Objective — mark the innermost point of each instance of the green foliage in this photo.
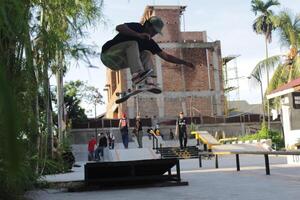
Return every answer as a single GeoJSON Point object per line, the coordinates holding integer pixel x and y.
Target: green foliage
{"type": "Point", "coordinates": [264, 23]}
{"type": "Point", "coordinates": [55, 166]}
{"type": "Point", "coordinates": [75, 112]}
{"type": "Point", "coordinates": [35, 36]}
{"type": "Point", "coordinates": [193, 127]}
{"type": "Point", "coordinates": [264, 133]}
{"type": "Point", "coordinates": [75, 92]}
{"type": "Point", "coordinates": [286, 67]}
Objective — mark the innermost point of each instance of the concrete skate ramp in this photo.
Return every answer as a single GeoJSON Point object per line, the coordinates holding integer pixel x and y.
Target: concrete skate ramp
{"type": "Point", "coordinates": [205, 138]}
{"type": "Point", "coordinates": [238, 147]}
{"type": "Point", "coordinates": [133, 154]}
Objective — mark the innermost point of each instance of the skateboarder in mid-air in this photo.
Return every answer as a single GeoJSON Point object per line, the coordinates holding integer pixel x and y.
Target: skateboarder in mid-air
{"type": "Point", "coordinates": [133, 48]}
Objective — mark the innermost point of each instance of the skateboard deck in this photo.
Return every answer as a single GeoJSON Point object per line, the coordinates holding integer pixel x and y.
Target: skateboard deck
{"type": "Point", "coordinates": [127, 95]}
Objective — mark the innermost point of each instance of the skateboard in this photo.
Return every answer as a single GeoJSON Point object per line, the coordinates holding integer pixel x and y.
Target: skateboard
{"type": "Point", "coordinates": [123, 96]}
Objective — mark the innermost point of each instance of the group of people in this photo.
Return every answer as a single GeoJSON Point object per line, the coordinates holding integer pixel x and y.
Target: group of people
{"type": "Point", "coordinates": [96, 152]}
{"type": "Point", "coordinates": [138, 130]}
{"type": "Point", "coordinates": [181, 131]}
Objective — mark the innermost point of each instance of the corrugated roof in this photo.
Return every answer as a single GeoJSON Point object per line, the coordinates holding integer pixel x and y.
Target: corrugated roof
{"type": "Point", "coordinates": [285, 89]}
{"type": "Point", "coordinates": [289, 85]}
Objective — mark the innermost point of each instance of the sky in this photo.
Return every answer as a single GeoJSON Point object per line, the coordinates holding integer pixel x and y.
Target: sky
{"type": "Point", "coordinates": [229, 21]}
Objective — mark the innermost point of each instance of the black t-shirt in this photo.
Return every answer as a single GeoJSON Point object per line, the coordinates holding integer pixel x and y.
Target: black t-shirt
{"type": "Point", "coordinates": [138, 125]}
{"type": "Point", "coordinates": [144, 44]}
{"type": "Point", "coordinates": [181, 125]}
{"type": "Point", "coordinates": [103, 142]}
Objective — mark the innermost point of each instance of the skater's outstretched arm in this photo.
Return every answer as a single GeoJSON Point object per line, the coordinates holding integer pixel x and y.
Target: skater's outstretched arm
{"type": "Point", "coordinates": [125, 30]}
{"type": "Point", "coordinates": [173, 59]}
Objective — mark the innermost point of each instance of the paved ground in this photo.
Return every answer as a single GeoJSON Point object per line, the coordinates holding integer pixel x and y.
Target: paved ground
{"type": "Point", "coordinates": [206, 183]}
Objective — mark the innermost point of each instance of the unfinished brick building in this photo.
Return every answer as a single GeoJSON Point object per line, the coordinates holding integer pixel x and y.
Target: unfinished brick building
{"type": "Point", "coordinates": [195, 92]}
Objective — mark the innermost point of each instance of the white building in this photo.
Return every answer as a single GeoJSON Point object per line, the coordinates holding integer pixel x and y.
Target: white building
{"type": "Point", "coordinates": [290, 111]}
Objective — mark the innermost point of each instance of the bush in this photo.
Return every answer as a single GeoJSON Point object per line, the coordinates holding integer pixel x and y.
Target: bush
{"type": "Point", "coordinates": [63, 160]}
{"type": "Point", "coordinates": [264, 133]}
{"type": "Point", "coordinates": [13, 183]}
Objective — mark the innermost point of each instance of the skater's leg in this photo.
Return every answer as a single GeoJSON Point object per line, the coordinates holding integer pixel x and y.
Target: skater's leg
{"type": "Point", "coordinates": [147, 59]}
{"type": "Point", "coordinates": [123, 138]}
{"type": "Point", "coordinates": [126, 140]}
{"type": "Point", "coordinates": [133, 57]}
{"type": "Point", "coordinates": [123, 55]}
{"type": "Point", "coordinates": [113, 144]}
{"type": "Point", "coordinates": [139, 139]}
{"type": "Point", "coordinates": [97, 157]}
{"type": "Point", "coordinates": [148, 63]}
{"type": "Point", "coordinates": [185, 141]}
{"type": "Point", "coordinates": [181, 140]}
{"type": "Point", "coordinates": [102, 151]}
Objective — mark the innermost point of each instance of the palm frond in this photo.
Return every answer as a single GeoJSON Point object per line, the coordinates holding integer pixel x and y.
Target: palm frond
{"type": "Point", "coordinates": [270, 3]}
{"type": "Point", "coordinates": [265, 24]}
{"type": "Point", "coordinates": [288, 28]}
{"type": "Point", "coordinates": [271, 63]}
{"type": "Point", "coordinates": [296, 68]}
{"type": "Point", "coordinates": [279, 76]}
{"type": "Point", "coordinates": [257, 6]}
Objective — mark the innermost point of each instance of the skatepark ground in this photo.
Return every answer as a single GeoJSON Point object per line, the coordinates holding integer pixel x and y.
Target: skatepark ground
{"type": "Point", "coordinates": [206, 183]}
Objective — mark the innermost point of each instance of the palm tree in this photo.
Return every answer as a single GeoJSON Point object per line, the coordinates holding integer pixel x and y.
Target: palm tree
{"type": "Point", "coordinates": [287, 67]}
{"type": "Point", "coordinates": [264, 24]}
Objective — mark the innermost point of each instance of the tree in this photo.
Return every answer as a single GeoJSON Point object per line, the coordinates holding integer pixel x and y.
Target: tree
{"type": "Point", "coordinates": [77, 92]}
{"type": "Point", "coordinates": [287, 67]}
{"type": "Point", "coordinates": [264, 24]}
{"type": "Point", "coordinates": [36, 37]}
{"type": "Point", "coordinates": [72, 99]}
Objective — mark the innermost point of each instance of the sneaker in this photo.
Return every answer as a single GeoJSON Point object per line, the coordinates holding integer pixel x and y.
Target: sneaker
{"type": "Point", "coordinates": [140, 76]}
{"type": "Point", "coordinates": [153, 88]}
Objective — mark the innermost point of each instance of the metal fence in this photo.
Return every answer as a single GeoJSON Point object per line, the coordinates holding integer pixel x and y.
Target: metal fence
{"type": "Point", "coordinates": [113, 123]}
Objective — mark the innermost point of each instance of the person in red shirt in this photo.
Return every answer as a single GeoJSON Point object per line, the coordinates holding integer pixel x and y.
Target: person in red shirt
{"type": "Point", "coordinates": [91, 148]}
{"type": "Point", "coordinates": [123, 125]}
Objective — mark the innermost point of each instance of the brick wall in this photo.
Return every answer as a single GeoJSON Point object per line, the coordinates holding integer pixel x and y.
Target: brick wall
{"type": "Point", "coordinates": [176, 79]}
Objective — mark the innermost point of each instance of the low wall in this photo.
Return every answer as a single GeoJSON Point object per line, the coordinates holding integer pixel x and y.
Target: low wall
{"type": "Point", "coordinates": [82, 136]}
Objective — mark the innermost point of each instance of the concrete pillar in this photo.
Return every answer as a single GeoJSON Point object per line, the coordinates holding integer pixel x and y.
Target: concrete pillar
{"type": "Point", "coordinates": [130, 101]}
{"type": "Point", "coordinates": [160, 98]}
{"type": "Point", "coordinates": [216, 67]}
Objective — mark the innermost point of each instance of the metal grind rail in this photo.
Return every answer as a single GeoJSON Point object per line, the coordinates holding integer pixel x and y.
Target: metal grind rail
{"type": "Point", "coordinates": [238, 153]}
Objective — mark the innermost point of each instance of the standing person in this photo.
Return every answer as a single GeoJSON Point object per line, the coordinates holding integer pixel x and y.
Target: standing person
{"type": "Point", "coordinates": [133, 47]}
{"type": "Point", "coordinates": [91, 148]}
{"type": "Point", "coordinates": [139, 131]}
{"type": "Point", "coordinates": [111, 140]}
{"type": "Point", "coordinates": [123, 125]}
{"type": "Point", "coordinates": [101, 145]}
{"type": "Point", "coordinates": [181, 130]}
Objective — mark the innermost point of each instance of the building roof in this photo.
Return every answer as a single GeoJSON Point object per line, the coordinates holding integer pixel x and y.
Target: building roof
{"type": "Point", "coordinates": [290, 87]}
